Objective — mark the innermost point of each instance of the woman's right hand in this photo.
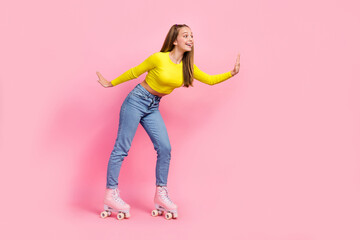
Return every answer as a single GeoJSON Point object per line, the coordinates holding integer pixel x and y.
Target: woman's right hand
{"type": "Point", "coordinates": [103, 81]}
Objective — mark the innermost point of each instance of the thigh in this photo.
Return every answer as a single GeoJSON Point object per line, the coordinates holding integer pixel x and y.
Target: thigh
{"type": "Point", "coordinates": [154, 125]}
{"type": "Point", "coordinates": [130, 116]}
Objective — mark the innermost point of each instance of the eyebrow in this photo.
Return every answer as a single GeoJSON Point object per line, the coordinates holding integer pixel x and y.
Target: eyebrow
{"type": "Point", "coordinates": [186, 32]}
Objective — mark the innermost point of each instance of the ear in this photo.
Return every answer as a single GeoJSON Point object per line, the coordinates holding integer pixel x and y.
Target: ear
{"type": "Point", "coordinates": [175, 42]}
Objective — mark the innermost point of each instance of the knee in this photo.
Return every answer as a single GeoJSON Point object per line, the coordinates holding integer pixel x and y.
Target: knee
{"type": "Point", "coordinates": [164, 148]}
{"type": "Point", "coordinates": [122, 146]}
{"type": "Point", "coordinates": [119, 152]}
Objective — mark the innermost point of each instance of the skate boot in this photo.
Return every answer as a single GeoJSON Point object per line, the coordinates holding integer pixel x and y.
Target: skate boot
{"type": "Point", "coordinates": [113, 203]}
{"type": "Point", "coordinates": [164, 204]}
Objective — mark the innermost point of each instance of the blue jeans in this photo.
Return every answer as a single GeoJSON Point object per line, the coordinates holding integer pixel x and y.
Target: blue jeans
{"type": "Point", "coordinates": [140, 106]}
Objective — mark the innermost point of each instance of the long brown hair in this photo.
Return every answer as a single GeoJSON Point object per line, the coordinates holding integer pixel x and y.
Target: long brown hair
{"type": "Point", "coordinates": [188, 57]}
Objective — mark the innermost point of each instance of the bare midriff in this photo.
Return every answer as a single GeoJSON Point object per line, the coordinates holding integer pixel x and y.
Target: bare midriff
{"type": "Point", "coordinates": [152, 91]}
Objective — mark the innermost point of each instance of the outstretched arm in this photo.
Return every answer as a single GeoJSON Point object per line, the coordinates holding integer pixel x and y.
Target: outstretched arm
{"type": "Point", "coordinates": [210, 79]}
{"type": "Point", "coordinates": [215, 79]}
{"type": "Point", "coordinates": [132, 73]}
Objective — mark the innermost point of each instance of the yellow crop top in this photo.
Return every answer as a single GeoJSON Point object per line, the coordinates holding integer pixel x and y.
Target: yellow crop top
{"type": "Point", "coordinates": [164, 75]}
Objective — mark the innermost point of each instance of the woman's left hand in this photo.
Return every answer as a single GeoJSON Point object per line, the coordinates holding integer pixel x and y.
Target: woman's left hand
{"type": "Point", "coordinates": [237, 66]}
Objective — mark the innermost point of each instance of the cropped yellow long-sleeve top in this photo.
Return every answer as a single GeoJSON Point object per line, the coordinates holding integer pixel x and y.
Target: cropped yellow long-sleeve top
{"type": "Point", "coordinates": [164, 75]}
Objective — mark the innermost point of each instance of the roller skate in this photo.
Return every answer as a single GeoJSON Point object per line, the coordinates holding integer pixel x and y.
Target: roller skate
{"type": "Point", "coordinates": [164, 204]}
{"type": "Point", "coordinates": [113, 203]}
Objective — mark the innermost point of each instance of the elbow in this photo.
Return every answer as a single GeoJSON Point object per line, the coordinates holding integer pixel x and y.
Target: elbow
{"type": "Point", "coordinates": [210, 82]}
{"type": "Point", "coordinates": [134, 75]}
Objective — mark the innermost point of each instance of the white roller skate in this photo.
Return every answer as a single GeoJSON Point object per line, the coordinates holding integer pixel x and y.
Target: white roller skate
{"type": "Point", "coordinates": [113, 203]}
{"type": "Point", "coordinates": [164, 204]}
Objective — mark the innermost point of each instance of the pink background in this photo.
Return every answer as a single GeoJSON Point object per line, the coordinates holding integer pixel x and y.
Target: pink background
{"type": "Point", "coordinates": [272, 153]}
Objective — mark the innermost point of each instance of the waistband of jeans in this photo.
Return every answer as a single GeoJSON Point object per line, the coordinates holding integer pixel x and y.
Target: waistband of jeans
{"type": "Point", "coordinates": [146, 92]}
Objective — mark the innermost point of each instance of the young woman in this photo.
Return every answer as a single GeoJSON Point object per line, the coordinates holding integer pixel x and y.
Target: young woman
{"type": "Point", "coordinates": [168, 69]}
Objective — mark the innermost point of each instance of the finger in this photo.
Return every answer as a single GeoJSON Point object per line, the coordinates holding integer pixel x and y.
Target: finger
{"type": "Point", "coordinates": [99, 74]}
{"type": "Point", "coordinates": [101, 77]}
{"type": "Point", "coordinates": [101, 82]}
{"type": "Point", "coordinates": [104, 82]}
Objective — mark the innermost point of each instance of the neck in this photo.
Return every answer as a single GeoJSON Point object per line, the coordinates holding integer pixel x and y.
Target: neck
{"type": "Point", "coordinates": [176, 55]}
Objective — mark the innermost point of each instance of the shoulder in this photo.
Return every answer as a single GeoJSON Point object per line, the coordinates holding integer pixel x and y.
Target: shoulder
{"type": "Point", "coordinates": [160, 55]}
{"type": "Point", "coordinates": [156, 56]}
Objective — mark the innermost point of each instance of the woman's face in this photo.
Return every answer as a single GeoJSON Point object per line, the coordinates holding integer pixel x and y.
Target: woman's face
{"type": "Point", "coordinates": [184, 40]}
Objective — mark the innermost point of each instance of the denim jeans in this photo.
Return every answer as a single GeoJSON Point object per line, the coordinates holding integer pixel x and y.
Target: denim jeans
{"type": "Point", "coordinates": [140, 106]}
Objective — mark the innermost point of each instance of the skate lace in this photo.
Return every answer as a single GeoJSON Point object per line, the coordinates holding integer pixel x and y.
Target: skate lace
{"type": "Point", "coordinates": [164, 195]}
{"type": "Point", "coordinates": [116, 196]}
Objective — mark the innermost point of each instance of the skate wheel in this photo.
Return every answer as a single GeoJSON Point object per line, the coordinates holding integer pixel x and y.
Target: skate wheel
{"type": "Point", "coordinates": [168, 215]}
{"type": "Point", "coordinates": [104, 214]}
{"type": "Point", "coordinates": [120, 215]}
{"type": "Point", "coordinates": [154, 213]}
